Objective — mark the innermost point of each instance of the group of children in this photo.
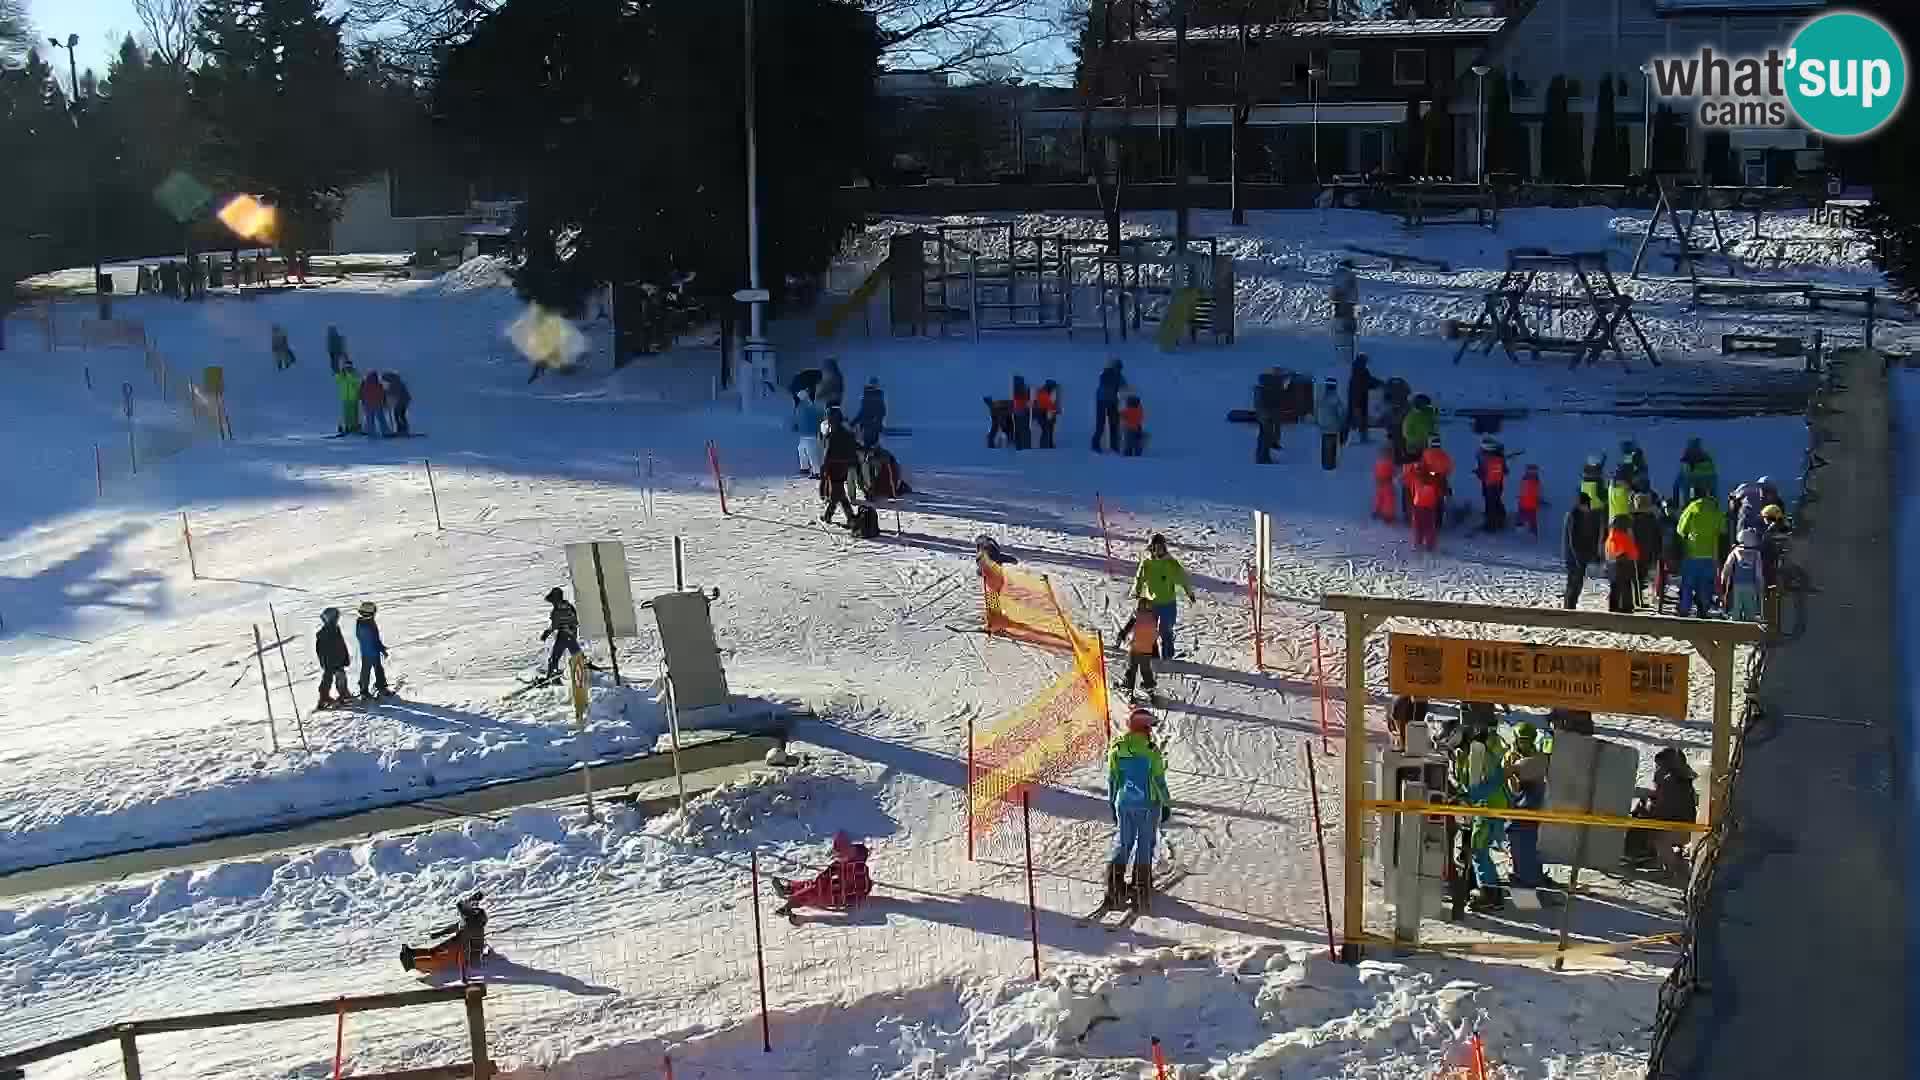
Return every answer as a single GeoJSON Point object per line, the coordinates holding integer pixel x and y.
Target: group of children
{"type": "Point", "coordinates": [331, 647]}
{"type": "Point", "coordinates": [1118, 416]}
{"type": "Point", "coordinates": [373, 404]}
{"type": "Point", "coordinates": [1014, 418]}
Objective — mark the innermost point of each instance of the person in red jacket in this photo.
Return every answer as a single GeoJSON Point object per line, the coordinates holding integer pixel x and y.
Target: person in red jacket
{"type": "Point", "coordinates": [1384, 505]}
{"type": "Point", "coordinates": [1133, 426]}
{"type": "Point", "coordinates": [1530, 499]}
{"type": "Point", "coordinates": [1022, 414]}
{"type": "Point", "coordinates": [844, 883]}
{"type": "Point", "coordinates": [1623, 565]}
{"type": "Point", "coordinates": [1046, 411]}
{"type": "Point", "coordinates": [1437, 461]}
{"type": "Point", "coordinates": [1409, 480]}
{"type": "Point", "coordinates": [1428, 494]}
{"type": "Point", "coordinates": [373, 399]}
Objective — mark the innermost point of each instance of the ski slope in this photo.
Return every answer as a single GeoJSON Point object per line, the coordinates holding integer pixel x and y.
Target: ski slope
{"type": "Point", "coordinates": [136, 718]}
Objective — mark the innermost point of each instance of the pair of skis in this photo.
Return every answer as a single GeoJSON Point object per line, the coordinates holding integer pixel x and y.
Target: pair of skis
{"type": "Point", "coordinates": [1102, 915]}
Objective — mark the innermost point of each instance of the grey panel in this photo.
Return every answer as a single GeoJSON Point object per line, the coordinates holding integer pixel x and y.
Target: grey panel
{"type": "Point", "coordinates": [1588, 775]}
{"type": "Point", "coordinates": [693, 658]}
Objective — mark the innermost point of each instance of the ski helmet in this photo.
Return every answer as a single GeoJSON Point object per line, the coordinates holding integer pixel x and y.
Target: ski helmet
{"type": "Point", "coordinates": [1159, 540]}
{"type": "Point", "coordinates": [1489, 443]}
{"type": "Point", "coordinates": [1433, 441]}
{"type": "Point", "coordinates": [555, 595]}
{"type": "Point", "coordinates": [367, 609]}
{"type": "Point", "coordinates": [1593, 461]}
{"type": "Point", "coordinates": [1140, 720]}
{"type": "Point", "coordinates": [330, 615]}
{"type": "Point", "coordinates": [1772, 512]}
{"type": "Point", "coordinates": [1765, 481]}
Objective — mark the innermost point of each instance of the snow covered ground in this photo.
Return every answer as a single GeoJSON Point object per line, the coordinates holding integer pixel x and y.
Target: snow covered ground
{"type": "Point", "coordinates": [135, 713]}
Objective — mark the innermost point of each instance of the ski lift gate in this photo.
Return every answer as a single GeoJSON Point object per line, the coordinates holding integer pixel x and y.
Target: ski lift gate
{"type": "Point", "coordinates": [1713, 639]}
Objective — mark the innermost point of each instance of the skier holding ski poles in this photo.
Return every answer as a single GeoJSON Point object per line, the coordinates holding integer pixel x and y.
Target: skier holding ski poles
{"type": "Point", "coordinates": [563, 626]}
{"type": "Point", "coordinates": [1137, 793]}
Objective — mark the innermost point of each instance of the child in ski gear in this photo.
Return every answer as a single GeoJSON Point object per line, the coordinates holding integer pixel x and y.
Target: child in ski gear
{"type": "Point", "coordinates": [563, 626]}
{"type": "Point", "coordinates": [1106, 404]}
{"type": "Point", "coordinates": [1579, 546]}
{"type": "Point", "coordinates": [336, 349]}
{"type": "Point", "coordinates": [399, 399]}
{"type": "Point", "coordinates": [373, 398]}
{"type": "Point", "coordinates": [1701, 527]}
{"type": "Point", "coordinates": [1141, 632]}
{"type": "Point", "coordinates": [1421, 422]}
{"type": "Point", "coordinates": [1159, 580]}
{"type": "Point", "coordinates": [1529, 502]}
{"type": "Point", "coordinates": [1427, 498]}
{"type": "Point", "coordinates": [840, 453]}
{"type": "Point", "coordinates": [283, 352]}
{"type": "Point", "coordinates": [1526, 769]}
{"type": "Point", "coordinates": [1021, 408]}
{"type": "Point", "coordinates": [1634, 461]}
{"type": "Point", "coordinates": [372, 651]}
{"type": "Point", "coordinates": [1046, 411]}
{"type": "Point", "coordinates": [461, 946]}
{"type": "Point", "coordinates": [1620, 492]}
{"type": "Point", "coordinates": [1331, 414]}
{"type": "Point", "coordinates": [1491, 468]}
{"type": "Point", "coordinates": [999, 421]}
{"type": "Point", "coordinates": [1360, 383]}
{"type": "Point", "coordinates": [1743, 578]}
{"type": "Point", "coordinates": [1137, 793]}
{"type": "Point", "coordinates": [1696, 473]}
{"type": "Point", "coordinates": [1623, 565]}
{"type": "Point", "coordinates": [1384, 506]}
{"type": "Point", "coordinates": [330, 648]}
{"type": "Point", "coordinates": [808, 416]}
{"type": "Point", "coordinates": [871, 420]}
{"type": "Point", "coordinates": [1478, 776]}
{"type": "Point", "coordinates": [1674, 799]}
{"type": "Point", "coordinates": [1269, 409]}
{"type": "Point", "coordinates": [986, 547]}
{"type": "Point", "coordinates": [842, 885]}
{"type": "Point", "coordinates": [346, 383]}
{"type": "Point", "coordinates": [1648, 535]}
{"type": "Point", "coordinates": [1133, 424]}
{"type": "Point", "coordinates": [1593, 480]}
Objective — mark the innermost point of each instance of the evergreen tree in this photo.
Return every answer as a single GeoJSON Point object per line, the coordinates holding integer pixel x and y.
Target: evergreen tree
{"type": "Point", "coordinates": [1561, 153]}
{"type": "Point", "coordinates": [1669, 141]}
{"type": "Point", "coordinates": [1413, 142]}
{"type": "Point", "coordinates": [1440, 136]}
{"type": "Point", "coordinates": [274, 93]}
{"type": "Point", "coordinates": [1609, 167]}
{"type": "Point", "coordinates": [1506, 148]}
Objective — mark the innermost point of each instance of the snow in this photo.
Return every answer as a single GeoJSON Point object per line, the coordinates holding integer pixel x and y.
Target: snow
{"type": "Point", "coordinates": [479, 272]}
{"type": "Point", "coordinates": [137, 715]}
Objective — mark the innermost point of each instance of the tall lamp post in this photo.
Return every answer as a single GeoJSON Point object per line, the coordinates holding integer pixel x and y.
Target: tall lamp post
{"type": "Point", "coordinates": [1314, 75]}
{"type": "Point", "coordinates": [1646, 111]}
{"type": "Point", "coordinates": [1159, 125]}
{"type": "Point", "coordinates": [1480, 122]}
{"type": "Point", "coordinates": [93, 209]}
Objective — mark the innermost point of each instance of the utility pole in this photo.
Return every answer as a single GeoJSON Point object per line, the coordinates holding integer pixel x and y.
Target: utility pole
{"type": "Point", "coordinates": [758, 368]}
{"type": "Point", "coordinates": [105, 304]}
{"type": "Point", "coordinates": [1179, 132]}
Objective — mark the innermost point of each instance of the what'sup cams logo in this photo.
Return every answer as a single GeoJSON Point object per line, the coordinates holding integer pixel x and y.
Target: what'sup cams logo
{"type": "Point", "coordinates": [1843, 76]}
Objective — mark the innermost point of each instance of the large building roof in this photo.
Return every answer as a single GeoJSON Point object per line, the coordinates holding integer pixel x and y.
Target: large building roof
{"type": "Point", "coordinates": [1353, 28]}
{"type": "Point", "coordinates": [1735, 7]}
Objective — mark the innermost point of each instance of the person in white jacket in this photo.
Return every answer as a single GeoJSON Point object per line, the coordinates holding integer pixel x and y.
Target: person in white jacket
{"type": "Point", "coordinates": [1743, 578]}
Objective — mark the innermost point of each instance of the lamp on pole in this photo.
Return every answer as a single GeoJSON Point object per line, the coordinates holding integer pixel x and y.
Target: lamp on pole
{"type": "Point", "coordinates": [757, 370]}
{"type": "Point", "coordinates": [1159, 125]}
{"type": "Point", "coordinates": [1646, 110]}
{"type": "Point", "coordinates": [73, 105]}
{"type": "Point", "coordinates": [1480, 121]}
{"type": "Point", "coordinates": [1314, 74]}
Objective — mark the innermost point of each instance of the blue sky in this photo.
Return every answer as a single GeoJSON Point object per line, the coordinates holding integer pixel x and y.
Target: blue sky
{"type": "Point", "coordinates": [100, 23]}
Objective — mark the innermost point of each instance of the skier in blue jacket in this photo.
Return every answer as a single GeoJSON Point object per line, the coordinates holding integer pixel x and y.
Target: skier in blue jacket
{"type": "Point", "coordinates": [372, 649]}
{"type": "Point", "coordinates": [1137, 791]}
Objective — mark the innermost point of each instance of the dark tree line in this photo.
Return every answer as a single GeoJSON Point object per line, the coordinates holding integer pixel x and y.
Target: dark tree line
{"type": "Point", "coordinates": [626, 120]}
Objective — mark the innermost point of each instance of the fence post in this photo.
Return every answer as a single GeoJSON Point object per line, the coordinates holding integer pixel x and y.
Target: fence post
{"type": "Point", "coordinates": [477, 1031]}
{"type": "Point", "coordinates": [280, 643]}
{"type": "Point", "coordinates": [186, 532]}
{"type": "Point", "coordinates": [1033, 909]}
{"type": "Point", "coordinates": [1320, 844]}
{"type": "Point", "coordinates": [129, 1053]}
{"type": "Point", "coordinates": [99, 472]}
{"type": "Point", "coordinates": [339, 1038]}
{"type": "Point", "coordinates": [1100, 508]}
{"type": "Point", "coordinates": [667, 1061]}
{"type": "Point", "coordinates": [1320, 693]}
{"type": "Point", "coordinates": [760, 958]}
{"type": "Point", "coordinates": [1253, 602]}
{"type": "Point", "coordinates": [260, 653]}
{"type": "Point", "coordinates": [435, 492]}
{"type": "Point", "coordinates": [969, 788]}
{"type": "Point", "coordinates": [720, 485]}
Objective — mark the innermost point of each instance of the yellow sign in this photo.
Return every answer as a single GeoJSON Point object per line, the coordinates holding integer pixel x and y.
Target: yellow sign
{"type": "Point", "coordinates": [577, 683]}
{"type": "Point", "coordinates": [214, 380]}
{"type": "Point", "coordinates": [1550, 676]}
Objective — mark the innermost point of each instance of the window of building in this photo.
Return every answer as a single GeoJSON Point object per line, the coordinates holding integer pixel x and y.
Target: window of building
{"type": "Point", "coordinates": [1409, 67]}
{"type": "Point", "coordinates": [1343, 67]}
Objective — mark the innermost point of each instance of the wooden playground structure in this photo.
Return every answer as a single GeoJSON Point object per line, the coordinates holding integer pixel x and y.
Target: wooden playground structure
{"type": "Point", "coordinates": [1528, 310]}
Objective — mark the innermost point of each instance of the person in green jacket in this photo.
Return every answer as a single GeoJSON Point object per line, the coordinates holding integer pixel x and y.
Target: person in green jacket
{"type": "Point", "coordinates": [1158, 581]}
{"type": "Point", "coordinates": [1701, 526]}
{"type": "Point", "coordinates": [1420, 424]}
{"type": "Point", "coordinates": [1620, 492]}
{"type": "Point", "coordinates": [1137, 793]}
{"type": "Point", "coordinates": [347, 382]}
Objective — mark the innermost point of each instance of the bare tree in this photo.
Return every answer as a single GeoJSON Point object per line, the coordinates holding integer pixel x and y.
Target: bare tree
{"type": "Point", "coordinates": [169, 27]}
{"type": "Point", "coordinates": [964, 36]}
{"type": "Point", "coordinates": [412, 35]}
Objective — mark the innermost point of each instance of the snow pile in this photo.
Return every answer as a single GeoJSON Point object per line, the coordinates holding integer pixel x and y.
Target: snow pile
{"type": "Point", "coordinates": [1246, 1012]}
{"type": "Point", "coordinates": [478, 273]}
{"type": "Point", "coordinates": [801, 804]}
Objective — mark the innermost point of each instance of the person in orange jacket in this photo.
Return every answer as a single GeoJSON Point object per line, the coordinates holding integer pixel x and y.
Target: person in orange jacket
{"type": "Point", "coordinates": [1133, 426]}
{"type": "Point", "coordinates": [1530, 500]}
{"type": "Point", "coordinates": [1491, 468]}
{"type": "Point", "coordinates": [1437, 461]}
{"type": "Point", "coordinates": [1623, 565]}
{"type": "Point", "coordinates": [1046, 411]}
{"type": "Point", "coordinates": [1428, 495]}
{"type": "Point", "coordinates": [1409, 480]}
{"type": "Point", "coordinates": [1385, 506]}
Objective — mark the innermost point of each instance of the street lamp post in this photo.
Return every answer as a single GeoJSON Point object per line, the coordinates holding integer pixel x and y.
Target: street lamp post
{"type": "Point", "coordinates": [1480, 121]}
{"type": "Point", "coordinates": [1314, 75]}
{"type": "Point", "coordinates": [105, 303]}
{"type": "Point", "coordinates": [1159, 125]}
{"type": "Point", "coordinates": [1646, 108]}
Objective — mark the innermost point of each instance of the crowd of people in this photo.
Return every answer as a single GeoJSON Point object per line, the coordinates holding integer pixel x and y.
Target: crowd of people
{"type": "Point", "coordinates": [189, 279]}
{"type": "Point", "coordinates": [845, 454]}
{"type": "Point", "coordinates": [330, 647]}
{"type": "Point", "coordinates": [373, 403]}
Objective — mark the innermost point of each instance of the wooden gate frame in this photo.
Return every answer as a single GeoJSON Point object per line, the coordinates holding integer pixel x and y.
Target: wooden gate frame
{"type": "Point", "coordinates": [1713, 639]}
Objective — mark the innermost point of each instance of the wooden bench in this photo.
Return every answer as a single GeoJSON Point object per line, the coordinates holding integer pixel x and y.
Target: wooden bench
{"type": "Point", "coordinates": [1769, 343]}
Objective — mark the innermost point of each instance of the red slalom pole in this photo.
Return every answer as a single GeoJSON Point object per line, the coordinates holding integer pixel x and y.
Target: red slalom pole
{"type": "Point", "coordinates": [1033, 909]}
{"type": "Point", "coordinates": [667, 1061]}
{"type": "Point", "coordinates": [340, 1038]}
{"type": "Point", "coordinates": [1100, 508]}
{"type": "Point", "coordinates": [1320, 842]}
{"type": "Point", "coordinates": [1253, 604]}
{"type": "Point", "coordinates": [1320, 693]}
{"type": "Point", "coordinates": [970, 766]}
{"type": "Point", "coordinates": [1159, 1060]}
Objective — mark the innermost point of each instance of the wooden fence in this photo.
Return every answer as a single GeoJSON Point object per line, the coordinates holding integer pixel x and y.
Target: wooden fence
{"type": "Point", "coordinates": [127, 1034]}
